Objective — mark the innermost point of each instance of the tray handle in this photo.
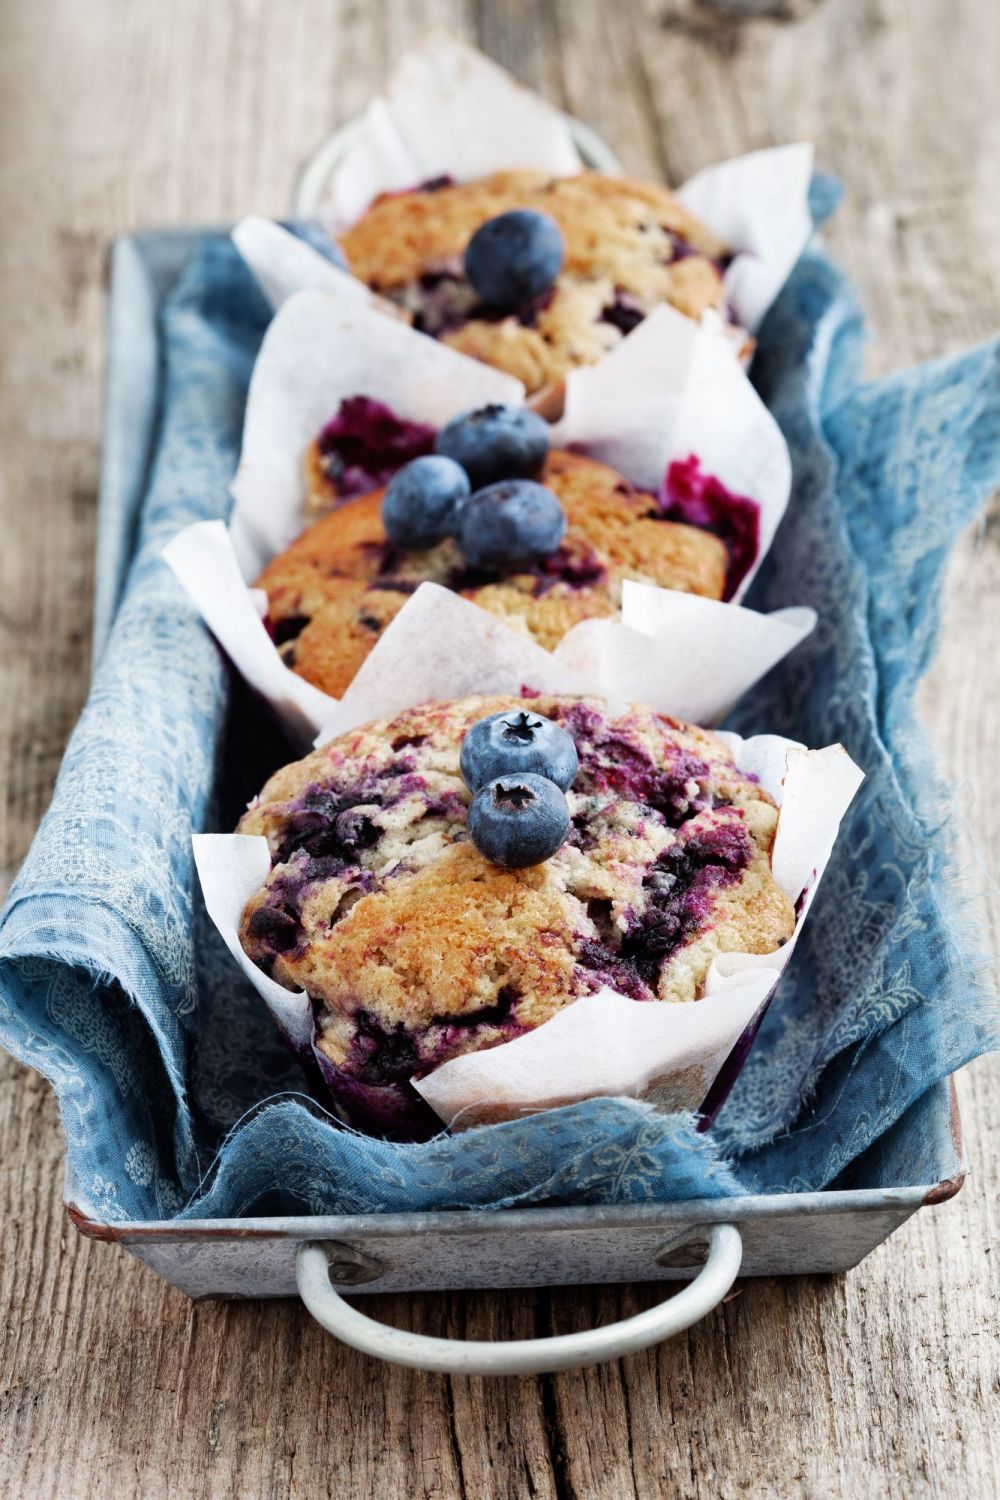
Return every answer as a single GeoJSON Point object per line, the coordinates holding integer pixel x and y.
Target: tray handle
{"type": "Point", "coordinates": [519, 1356]}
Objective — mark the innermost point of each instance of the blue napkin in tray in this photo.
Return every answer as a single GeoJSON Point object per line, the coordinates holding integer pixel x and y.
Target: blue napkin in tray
{"type": "Point", "coordinates": [177, 1096]}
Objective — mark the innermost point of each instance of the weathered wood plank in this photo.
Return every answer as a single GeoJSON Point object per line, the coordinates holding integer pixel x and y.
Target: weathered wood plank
{"type": "Point", "coordinates": [110, 1383]}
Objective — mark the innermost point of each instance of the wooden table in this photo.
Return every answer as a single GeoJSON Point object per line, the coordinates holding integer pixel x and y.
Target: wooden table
{"type": "Point", "coordinates": [115, 115]}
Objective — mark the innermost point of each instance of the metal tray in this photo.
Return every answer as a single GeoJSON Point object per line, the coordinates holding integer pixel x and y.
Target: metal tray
{"type": "Point", "coordinates": [765, 1235]}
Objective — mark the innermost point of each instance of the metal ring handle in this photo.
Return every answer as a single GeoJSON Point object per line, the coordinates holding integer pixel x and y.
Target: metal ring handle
{"type": "Point", "coordinates": [565, 1351]}
{"type": "Point", "coordinates": [307, 197]}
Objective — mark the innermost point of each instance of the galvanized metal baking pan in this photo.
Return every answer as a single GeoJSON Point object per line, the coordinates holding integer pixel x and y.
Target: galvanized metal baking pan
{"type": "Point", "coordinates": [314, 1257]}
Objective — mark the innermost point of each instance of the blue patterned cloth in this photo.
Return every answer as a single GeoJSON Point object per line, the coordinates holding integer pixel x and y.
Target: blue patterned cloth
{"type": "Point", "coordinates": [176, 1094]}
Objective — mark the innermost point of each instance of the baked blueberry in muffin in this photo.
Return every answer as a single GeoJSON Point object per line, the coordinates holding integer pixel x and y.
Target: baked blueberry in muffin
{"type": "Point", "coordinates": [414, 947]}
{"type": "Point", "coordinates": [626, 247]}
{"type": "Point", "coordinates": [336, 588]}
{"type": "Point", "coordinates": [361, 447]}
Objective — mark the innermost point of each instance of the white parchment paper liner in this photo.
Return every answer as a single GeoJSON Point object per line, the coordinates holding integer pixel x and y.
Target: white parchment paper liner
{"type": "Point", "coordinates": [701, 655]}
{"type": "Point", "coordinates": [606, 1043]}
{"type": "Point", "coordinates": [447, 109]}
{"type": "Point", "coordinates": [693, 656]}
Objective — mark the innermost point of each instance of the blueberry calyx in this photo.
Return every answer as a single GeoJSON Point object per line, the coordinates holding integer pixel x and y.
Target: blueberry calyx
{"type": "Point", "coordinates": [423, 501]}
{"type": "Point", "coordinates": [516, 821]}
{"type": "Point", "coordinates": [514, 523]}
{"type": "Point", "coordinates": [514, 257]}
{"type": "Point", "coordinates": [512, 794]}
{"type": "Point", "coordinates": [517, 742]}
{"type": "Point", "coordinates": [496, 442]}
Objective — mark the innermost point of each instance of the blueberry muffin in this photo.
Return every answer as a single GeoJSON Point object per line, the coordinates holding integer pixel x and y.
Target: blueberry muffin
{"type": "Point", "coordinates": [628, 247]}
{"type": "Point", "coordinates": [414, 948]}
{"type": "Point", "coordinates": [334, 590]}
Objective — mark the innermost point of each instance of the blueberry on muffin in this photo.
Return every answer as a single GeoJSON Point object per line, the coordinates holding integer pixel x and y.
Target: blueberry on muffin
{"type": "Point", "coordinates": [336, 588]}
{"type": "Point", "coordinates": [415, 947]}
{"type": "Point", "coordinates": [534, 274]}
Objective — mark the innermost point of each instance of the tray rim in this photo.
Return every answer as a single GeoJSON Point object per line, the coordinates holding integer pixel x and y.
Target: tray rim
{"type": "Point", "coordinates": [452, 1222]}
{"type": "Point", "coordinates": [459, 1221]}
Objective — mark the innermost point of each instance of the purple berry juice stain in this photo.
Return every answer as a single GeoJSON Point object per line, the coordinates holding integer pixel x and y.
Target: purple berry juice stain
{"type": "Point", "coordinates": [698, 499]}
{"type": "Point", "coordinates": [365, 443]}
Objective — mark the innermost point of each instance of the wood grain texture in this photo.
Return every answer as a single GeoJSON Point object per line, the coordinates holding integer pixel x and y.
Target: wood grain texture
{"type": "Point", "coordinates": [115, 115]}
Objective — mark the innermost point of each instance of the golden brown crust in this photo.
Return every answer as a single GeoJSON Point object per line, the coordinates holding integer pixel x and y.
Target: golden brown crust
{"type": "Point", "coordinates": [621, 237]}
{"type": "Point", "coordinates": [599, 216]}
{"type": "Point", "coordinates": [339, 577]}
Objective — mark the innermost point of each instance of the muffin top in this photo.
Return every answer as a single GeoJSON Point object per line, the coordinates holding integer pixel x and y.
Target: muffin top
{"type": "Point", "coordinates": [414, 948]}
{"type": "Point", "coordinates": [629, 246]}
{"type": "Point", "coordinates": [331, 594]}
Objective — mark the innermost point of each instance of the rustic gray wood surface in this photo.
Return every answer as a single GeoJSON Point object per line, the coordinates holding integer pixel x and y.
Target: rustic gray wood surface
{"type": "Point", "coordinates": [116, 115]}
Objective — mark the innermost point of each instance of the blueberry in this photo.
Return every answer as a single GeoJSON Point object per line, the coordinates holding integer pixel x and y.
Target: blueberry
{"type": "Point", "coordinates": [510, 525]}
{"type": "Point", "coordinates": [518, 820]}
{"type": "Point", "coordinates": [517, 742]}
{"type": "Point", "coordinates": [514, 258]}
{"type": "Point", "coordinates": [423, 502]}
{"type": "Point", "coordinates": [496, 442]}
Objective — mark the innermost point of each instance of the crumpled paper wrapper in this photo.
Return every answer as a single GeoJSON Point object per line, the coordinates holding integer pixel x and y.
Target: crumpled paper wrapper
{"type": "Point", "coordinates": [447, 109]}
{"type": "Point", "coordinates": [667, 658]}
{"type": "Point", "coordinates": [700, 655]}
{"type": "Point", "coordinates": [605, 1043]}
